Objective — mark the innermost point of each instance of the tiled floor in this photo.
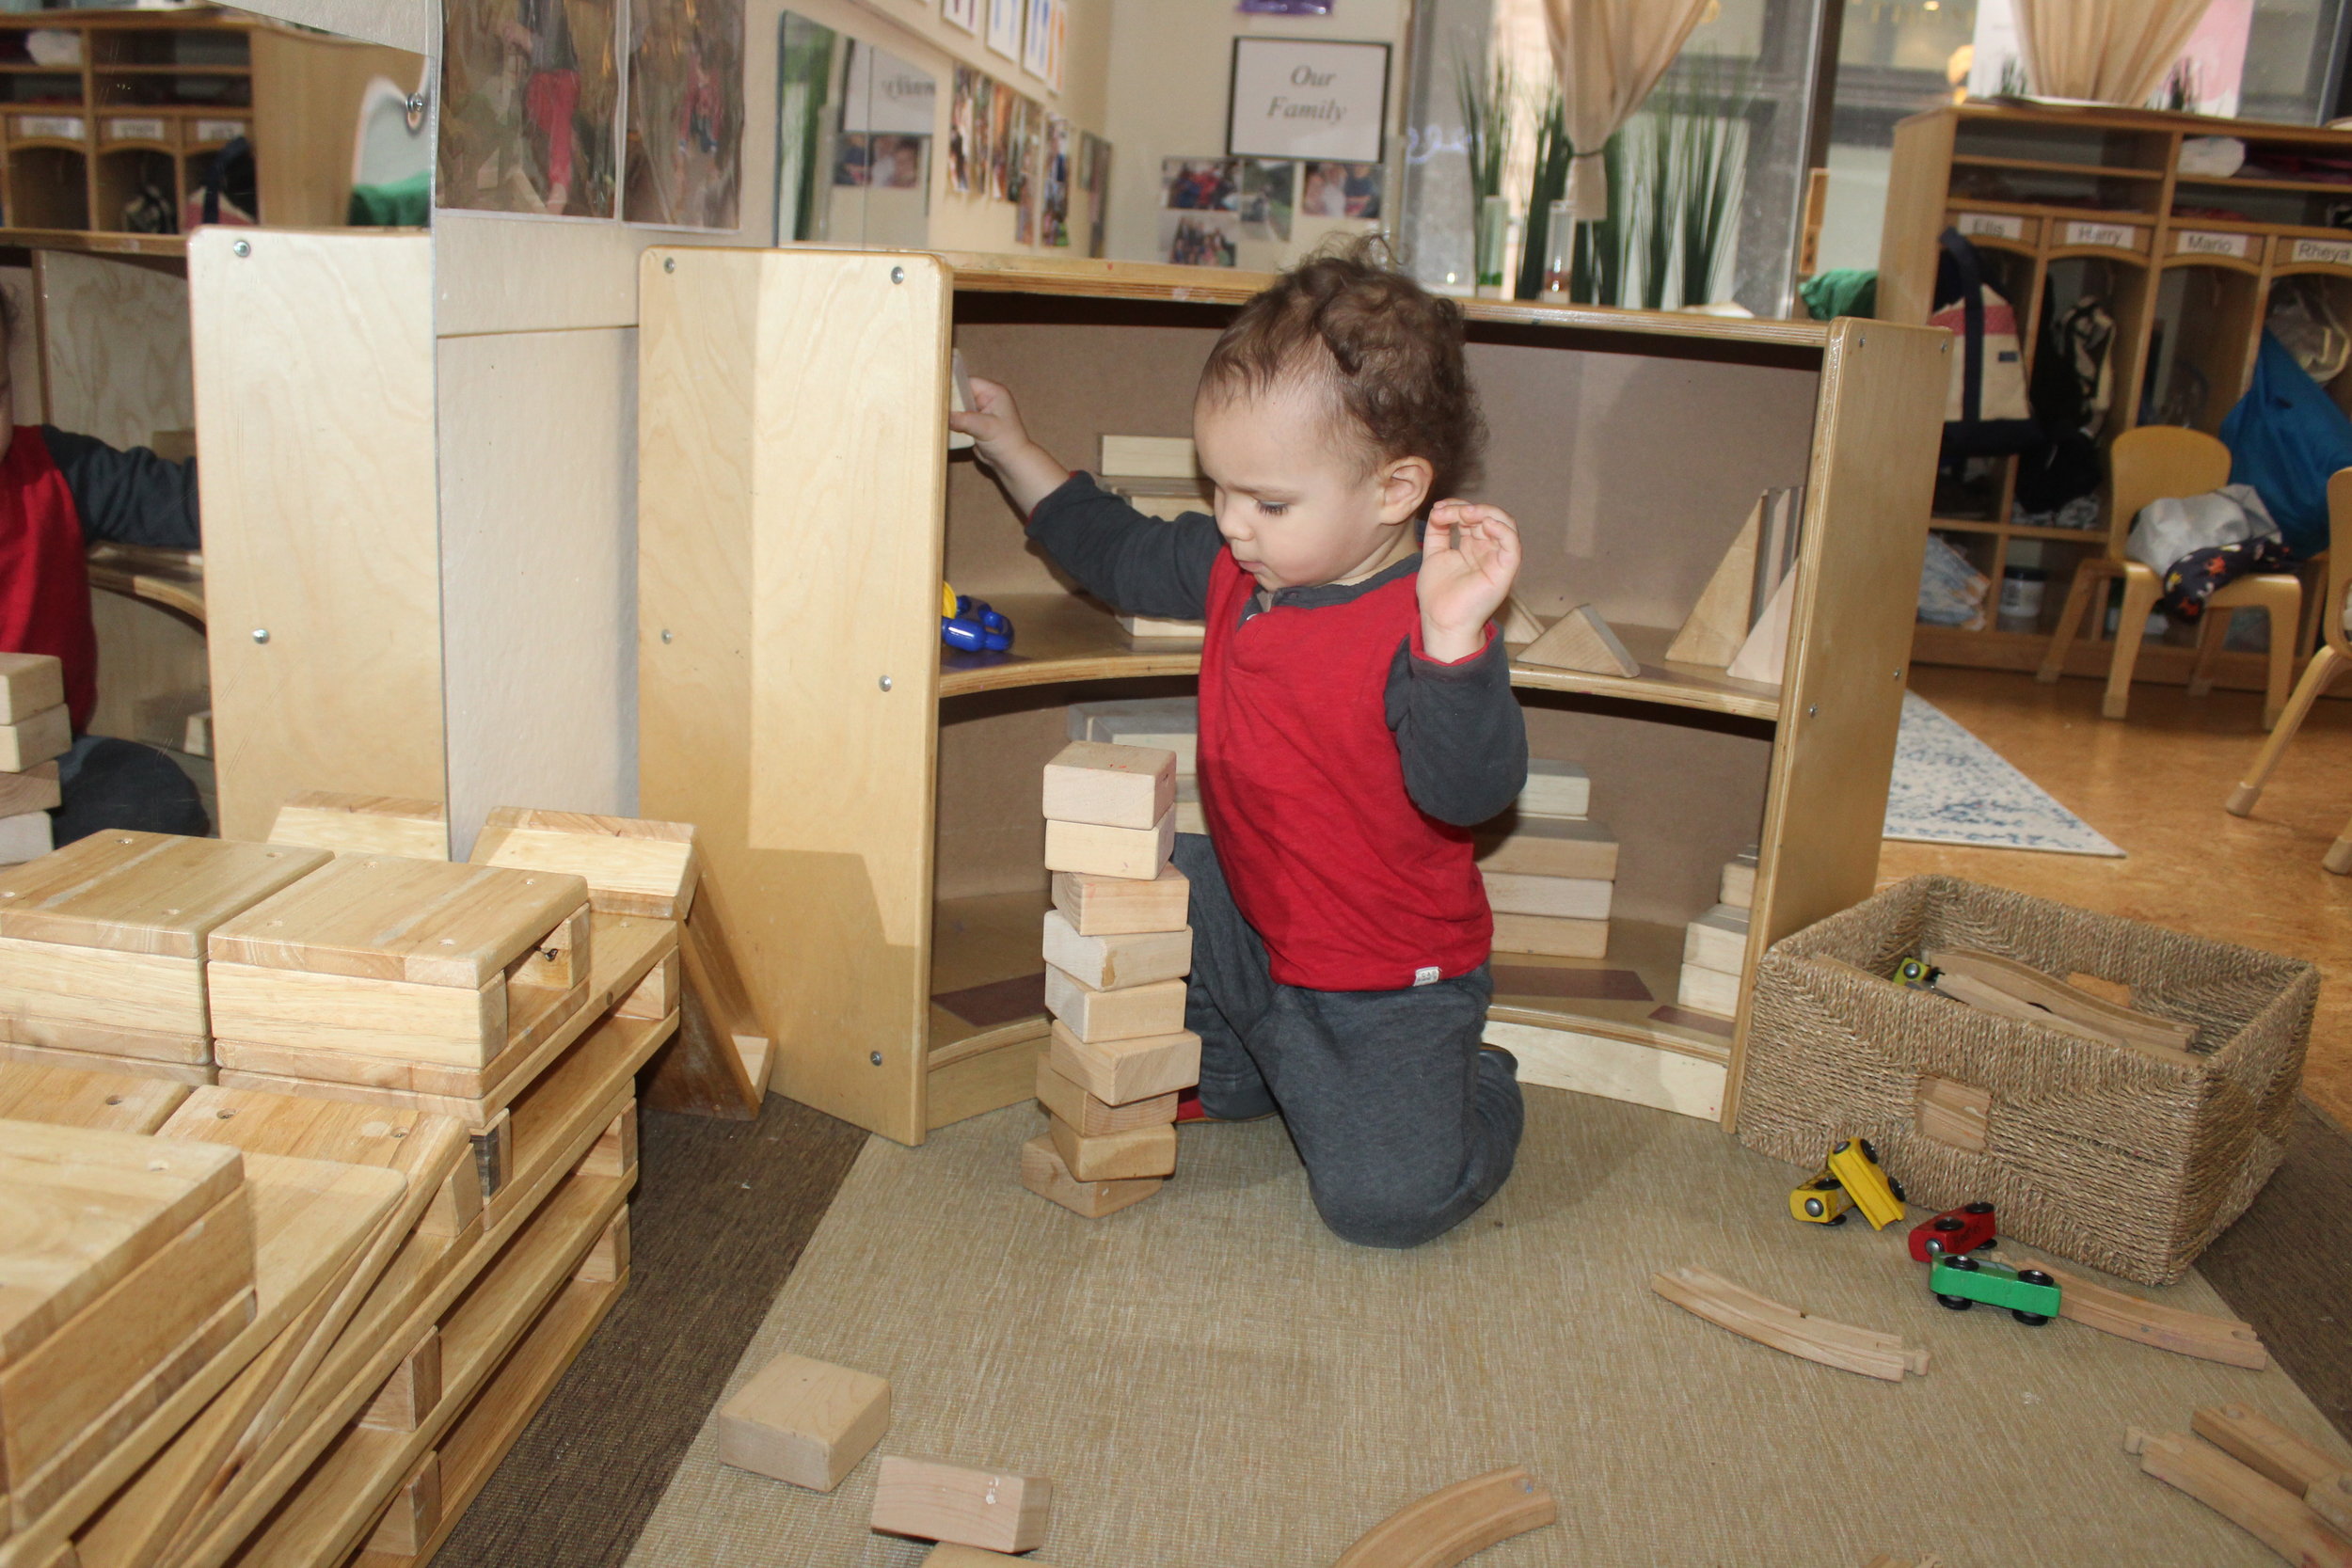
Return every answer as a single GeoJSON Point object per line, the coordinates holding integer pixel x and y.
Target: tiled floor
{"type": "Point", "coordinates": [2154, 783]}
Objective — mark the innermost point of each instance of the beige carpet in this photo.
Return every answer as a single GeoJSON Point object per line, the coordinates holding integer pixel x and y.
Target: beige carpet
{"type": "Point", "coordinates": [1210, 1379]}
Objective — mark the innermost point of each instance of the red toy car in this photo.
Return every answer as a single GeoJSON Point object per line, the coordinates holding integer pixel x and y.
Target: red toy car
{"type": "Point", "coordinates": [1952, 1232]}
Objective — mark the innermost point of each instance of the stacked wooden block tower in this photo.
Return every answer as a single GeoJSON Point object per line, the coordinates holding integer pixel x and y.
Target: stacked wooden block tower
{"type": "Point", "coordinates": [1118, 946]}
{"type": "Point", "coordinates": [1168, 724]}
{"type": "Point", "coordinates": [1551, 870]}
{"type": "Point", "coordinates": [35, 731]}
{"type": "Point", "coordinates": [1714, 944]}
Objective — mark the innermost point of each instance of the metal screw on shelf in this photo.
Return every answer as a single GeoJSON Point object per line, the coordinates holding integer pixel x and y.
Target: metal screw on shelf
{"type": "Point", "coordinates": [416, 110]}
{"type": "Point", "coordinates": [1814, 711]}
{"type": "Point", "coordinates": [669, 263]}
{"type": "Point", "coordinates": [886, 682]}
{"type": "Point", "coordinates": [898, 275]}
{"type": "Point", "coordinates": [260, 634]}
{"type": "Point", "coordinates": [242, 248]}
{"type": "Point", "coordinates": [875, 1057]}
{"type": "Point", "coordinates": [666, 634]}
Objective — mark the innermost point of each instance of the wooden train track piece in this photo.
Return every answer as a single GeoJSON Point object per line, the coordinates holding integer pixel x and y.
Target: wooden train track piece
{"type": "Point", "coordinates": [2162, 1036]}
{"type": "Point", "coordinates": [2261, 1506]}
{"type": "Point", "coordinates": [1785, 1328]}
{"type": "Point", "coordinates": [1454, 1521]}
{"type": "Point", "coordinates": [2174, 1328]}
{"type": "Point", "coordinates": [2277, 1454]}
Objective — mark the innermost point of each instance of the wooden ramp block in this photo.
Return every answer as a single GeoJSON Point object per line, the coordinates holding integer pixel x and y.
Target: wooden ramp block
{"type": "Point", "coordinates": [1112, 787]}
{"type": "Point", "coordinates": [1117, 962]}
{"type": "Point", "coordinates": [363, 824]}
{"type": "Point", "coordinates": [1119, 1072]}
{"type": "Point", "coordinates": [1066, 1097]}
{"type": "Point", "coordinates": [996, 1509]}
{"type": "Point", "coordinates": [1129, 1156]}
{"type": "Point", "coordinates": [410, 1393]}
{"type": "Point", "coordinates": [1719, 622]}
{"type": "Point", "coordinates": [34, 739]}
{"type": "Point", "coordinates": [1044, 1173]}
{"type": "Point", "coordinates": [1551, 936]}
{"type": "Point", "coordinates": [631, 866]}
{"type": "Point", "coordinates": [1580, 640]}
{"type": "Point", "coordinates": [1552, 847]}
{"type": "Point", "coordinates": [1763, 655]}
{"type": "Point", "coordinates": [1454, 1522]}
{"type": "Point", "coordinates": [1136, 853]}
{"type": "Point", "coordinates": [718, 1065]}
{"type": "Point", "coordinates": [1097, 906]}
{"type": "Point", "coordinates": [804, 1422]}
{"type": "Point", "coordinates": [1132, 1013]}
{"type": "Point", "coordinates": [29, 683]}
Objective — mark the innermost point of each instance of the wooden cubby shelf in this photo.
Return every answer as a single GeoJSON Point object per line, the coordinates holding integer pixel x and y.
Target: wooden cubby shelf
{"type": "Point", "coordinates": [869, 803]}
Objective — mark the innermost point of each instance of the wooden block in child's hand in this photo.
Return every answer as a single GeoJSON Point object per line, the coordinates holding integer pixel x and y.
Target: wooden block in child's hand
{"type": "Point", "coordinates": [1138, 853]}
{"type": "Point", "coordinates": [804, 1422]}
{"type": "Point", "coordinates": [994, 1510]}
{"type": "Point", "coordinates": [34, 739]}
{"type": "Point", "coordinates": [1562, 897]}
{"type": "Point", "coordinates": [1043, 1173]}
{"type": "Point", "coordinates": [1119, 1072]}
{"type": "Point", "coordinates": [29, 683]}
{"type": "Point", "coordinates": [1066, 1097]}
{"type": "Point", "coordinates": [1111, 963]}
{"type": "Point", "coordinates": [1114, 786]}
{"type": "Point", "coordinates": [1552, 846]}
{"type": "Point", "coordinates": [1551, 936]}
{"type": "Point", "coordinates": [1128, 1156]}
{"type": "Point", "coordinates": [1157, 1008]}
{"type": "Point", "coordinates": [1114, 906]}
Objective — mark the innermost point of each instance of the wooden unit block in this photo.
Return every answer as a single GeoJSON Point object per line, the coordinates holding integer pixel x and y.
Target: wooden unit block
{"type": "Point", "coordinates": [1109, 786]}
{"type": "Point", "coordinates": [1153, 629]}
{"type": "Point", "coordinates": [1551, 936]}
{"type": "Point", "coordinates": [1719, 622]}
{"type": "Point", "coordinates": [615, 1153]}
{"type": "Point", "coordinates": [996, 1509]}
{"type": "Point", "coordinates": [494, 1153]}
{"type": "Point", "coordinates": [363, 824]}
{"type": "Point", "coordinates": [606, 1260]}
{"type": "Point", "coordinates": [410, 1393]}
{"type": "Point", "coordinates": [187, 1073]}
{"type": "Point", "coordinates": [1149, 457]}
{"type": "Point", "coordinates": [804, 1422]}
{"type": "Point", "coordinates": [1131, 1155]}
{"type": "Point", "coordinates": [657, 994]}
{"type": "Point", "coordinates": [1555, 788]}
{"type": "Point", "coordinates": [1119, 1072]}
{"type": "Point", "coordinates": [65, 1096]}
{"type": "Point", "coordinates": [1552, 846]}
{"type": "Point", "coordinates": [35, 789]}
{"type": "Point", "coordinates": [1097, 906]}
{"type": "Point", "coordinates": [465, 1026]}
{"type": "Point", "coordinates": [415, 1513]}
{"type": "Point", "coordinates": [631, 866]}
{"type": "Point", "coordinates": [1136, 853]}
{"type": "Point", "coordinates": [1717, 940]}
{"type": "Point", "coordinates": [1168, 724]}
{"type": "Point", "coordinates": [1954, 1113]}
{"type": "Point", "coordinates": [29, 683]}
{"type": "Point", "coordinates": [1560, 898]}
{"type": "Point", "coordinates": [1738, 886]}
{"type": "Point", "coordinates": [1067, 1099]}
{"type": "Point", "coordinates": [1708, 990]}
{"type": "Point", "coordinates": [26, 836]}
{"type": "Point", "coordinates": [1115, 963]}
{"type": "Point", "coordinates": [129, 892]}
{"type": "Point", "coordinates": [79, 998]}
{"type": "Point", "coordinates": [35, 738]}
{"type": "Point", "coordinates": [1580, 640]}
{"type": "Point", "coordinates": [1191, 817]}
{"type": "Point", "coordinates": [1127, 1014]}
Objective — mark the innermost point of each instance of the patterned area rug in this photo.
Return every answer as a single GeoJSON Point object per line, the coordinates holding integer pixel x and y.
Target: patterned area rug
{"type": "Point", "coordinates": [1950, 788]}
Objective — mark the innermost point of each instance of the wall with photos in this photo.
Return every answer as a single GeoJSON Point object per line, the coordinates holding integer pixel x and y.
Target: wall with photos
{"type": "Point", "coordinates": [1171, 190]}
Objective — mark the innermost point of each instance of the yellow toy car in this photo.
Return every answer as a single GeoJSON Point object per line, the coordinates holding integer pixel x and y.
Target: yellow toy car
{"type": "Point", "coordinates": [1821, 1201]}
{"type": "Point", "coordinates": [1855, 1164]}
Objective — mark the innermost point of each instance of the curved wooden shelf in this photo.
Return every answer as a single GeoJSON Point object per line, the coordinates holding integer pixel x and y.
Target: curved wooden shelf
{"type": "Point", "coordinates": [172, 578]}
{"type": "Point", "coordinates": [1651, 951]}
{"type": "Point", "coordinates": [1690, 686]}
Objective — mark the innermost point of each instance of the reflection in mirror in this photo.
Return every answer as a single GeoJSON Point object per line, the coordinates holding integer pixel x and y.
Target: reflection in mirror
{"type": "Point", "coordinates": [853, 140]}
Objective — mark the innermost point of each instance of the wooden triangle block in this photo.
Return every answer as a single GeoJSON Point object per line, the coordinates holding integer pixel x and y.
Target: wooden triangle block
{"type": "Point", "coordinates": [1520, 624]}
{"type": "Point", "coordinates": [1765, 648]}
{"type": "Point", "coordinates": [1718, 623]}
{"type": "Point", "coordinates": [718, 1063]}
{"type": "Point", "coordinates": [1580, 640]}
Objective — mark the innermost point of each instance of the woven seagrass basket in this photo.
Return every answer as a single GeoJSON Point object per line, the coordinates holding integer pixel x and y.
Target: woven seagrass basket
{"type": "Point", "coordinates": [2096, 1152]}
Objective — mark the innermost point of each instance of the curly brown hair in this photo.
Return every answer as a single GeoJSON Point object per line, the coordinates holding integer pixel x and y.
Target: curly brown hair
{"type": "Point", "coordinates": [1387, 351]}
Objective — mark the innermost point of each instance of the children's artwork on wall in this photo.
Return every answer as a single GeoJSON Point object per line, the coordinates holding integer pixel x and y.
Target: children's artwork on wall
{"type": "Point", "coordinates": [1094, 178]}
{"type": "Point", "coordinates": [1004, 26]}
{"type": "Point", "coordinates": [529, 92]}
{"type": "Point", "coordinates": [1054, 200]}
{"type": "Point", "coordinates": [1056, 36]}
{"type": "Point", "coordinates": [963, 13]}
{"type": "Point", "coordinates": [1028, 128]}
{"type": "Point", "coordinates": [1003, 110]}
{"type": "Point", "coordinates": [1199, 239]}
{"type": "Point", "coordinates": [685, 113]}
{"type": "Point", "coordinates": [1342, 191]}
{"type": "Point", "coordinates": [1200, 184]}
{"type": "Point", "coordinates": [1037, 40]}
{"type": "Point", "coordinates": [964, 161]}
{"type": "Point", "coordinates": [1266, 197]}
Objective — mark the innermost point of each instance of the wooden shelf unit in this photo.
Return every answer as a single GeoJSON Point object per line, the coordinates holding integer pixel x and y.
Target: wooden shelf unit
{"type": "Point", "coordinates": [2048, 195]}
{"type": "Point", "coordinates": [868, 805]}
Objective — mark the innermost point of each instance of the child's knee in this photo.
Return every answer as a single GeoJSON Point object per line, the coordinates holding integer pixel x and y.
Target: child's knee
{"type": "Point", "coordinates": [1391, 1213]}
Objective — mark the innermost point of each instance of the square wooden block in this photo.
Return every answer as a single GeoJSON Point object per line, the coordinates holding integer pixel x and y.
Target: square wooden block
{"type": "Point", "coordinates": [1128, 1156]}
{"type": "Point", "coordinates": [1114, 906]}
{"type": "Point", "coordinates": [1717, 940]}
{"type": "Point", "coordinates": [995, 1509]}
{"type": "Point", "coordinates": [632, 865]}
{"type": "Point", "coordinates": [1551, 936]}
{"type": "Point", "coordinates": [35, 738]}
{"type": "Point", "coordinates": [1114, 962]}
{"type": "Point", "coordinates": [804, 1422]}
{"type": "Point", "coordinates": [1044, 1173]}
{"type": "Point", "coordinates": [1119, 1072]}
{"type": "Point", "coordinates": [1114, 786]}
{"type": "Point", "coordinates": [35, 789]}
{"type": "Point", "coordinates": [29, 683]}
{"type": "Point", "coordinates": [1066, 1098]}
{"type": "Point", "coordinates": [1552, 847]}
{"type": "Point", "coordinates": [1138, 854]}
{"type": "Point", "coordinates": [1132, 1013]}
{"type": "Point", "coordinates": [363, 824]}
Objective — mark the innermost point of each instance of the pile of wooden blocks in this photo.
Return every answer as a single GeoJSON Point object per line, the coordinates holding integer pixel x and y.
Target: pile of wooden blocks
{"type": "Point", "coordinates": [1158, 476]}
{"type": "Point", "coordinates": [1118, 946]}
{"type": "Point", "coordinates": [1165, 723]}
{"type": "Point", "coordinates": [1552, 875]}
{"type": "Point", "coordinates": [1715, 945]}
{"type": "Point", "coordinates": [35, 731]}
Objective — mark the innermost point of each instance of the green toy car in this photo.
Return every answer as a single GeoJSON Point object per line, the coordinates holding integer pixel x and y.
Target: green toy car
{"type": "Point", "coordinates": [1961, 1281]}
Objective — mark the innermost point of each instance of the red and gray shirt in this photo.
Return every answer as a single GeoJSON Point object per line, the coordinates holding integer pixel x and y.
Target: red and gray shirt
{"type": "Point", "coordinates": [1341, 768]}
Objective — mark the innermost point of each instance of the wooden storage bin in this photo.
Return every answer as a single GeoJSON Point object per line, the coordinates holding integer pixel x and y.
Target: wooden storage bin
{"type": "Point", "coordinates": [102, 946]}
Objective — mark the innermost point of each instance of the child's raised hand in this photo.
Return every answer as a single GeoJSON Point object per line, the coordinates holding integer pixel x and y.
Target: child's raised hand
{"type": "Point", "coordinates": [1470, 557]}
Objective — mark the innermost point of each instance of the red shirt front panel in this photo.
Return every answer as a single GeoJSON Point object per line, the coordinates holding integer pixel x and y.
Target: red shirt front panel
{"type": "Point", "coordinates": [44, 573]}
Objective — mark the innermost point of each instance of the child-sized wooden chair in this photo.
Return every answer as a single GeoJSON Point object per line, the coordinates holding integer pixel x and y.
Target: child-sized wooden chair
{"type": "Point", "coordinates": [2150, 464]}
{"type": "Point", "coordinates": [2335, 652]}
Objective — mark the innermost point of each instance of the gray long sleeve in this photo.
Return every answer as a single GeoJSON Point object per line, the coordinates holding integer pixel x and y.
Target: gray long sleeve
{"type": "Point", "coordinates": [1460, 733]}
{"type": "Point", "coordinates": [127, 498]}
{"type": "Point", "coordinates": [1138, 564]}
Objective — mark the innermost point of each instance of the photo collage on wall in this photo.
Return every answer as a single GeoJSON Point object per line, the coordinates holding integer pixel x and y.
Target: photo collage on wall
{"type": "Point", "coordinates": [1006, 146]}
{"type": "Point", "coordinates": [1210, 207]}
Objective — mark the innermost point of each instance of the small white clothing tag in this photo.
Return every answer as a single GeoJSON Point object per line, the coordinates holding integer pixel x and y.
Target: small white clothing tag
{"type": "Point", "coordinates": [1426, 975]}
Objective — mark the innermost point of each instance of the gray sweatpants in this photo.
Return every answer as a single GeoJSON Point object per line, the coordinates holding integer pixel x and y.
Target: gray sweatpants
{"type": "Point", "coordinates": [1405, 1125]}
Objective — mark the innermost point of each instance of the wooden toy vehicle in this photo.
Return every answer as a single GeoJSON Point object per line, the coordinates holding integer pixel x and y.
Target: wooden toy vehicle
{"type": "Point", "coordinates": [1855, 1164]}
{"type": "Point", "coordinates": [1965, 1228]}
{"type": "Point", "coordinates": [1822, 1200]}
{"type": "Point", "coordinates": [1961, 1282]}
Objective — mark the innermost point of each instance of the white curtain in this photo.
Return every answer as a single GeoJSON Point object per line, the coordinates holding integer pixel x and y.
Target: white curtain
{"type": "Point", "coordinates": [1609, 54]}
{"type": "Point", "coordinates": [2108, 51]}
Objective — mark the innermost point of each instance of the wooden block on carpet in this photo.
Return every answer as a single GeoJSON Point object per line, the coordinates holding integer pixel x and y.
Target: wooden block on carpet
{"type": "Point", "coordinates": [1551, 936]}
{"type": "Point", "coordinates": [1119, 906]}
{"type": "Point", "coordinates": [808, 1422]}
{"type": "Point", "coordinates": [1044, 1173]}
{"type": "Point", "coordinates": [1131, 1013]}
{"type": "Point", "coordinates": [1119, 1072]}
{"type": "Point", "coordinates": [1136, 853]}
{"type": "Point", "coordinates": [1115, 962]}
{"type": "Point", "coordinates": [1129, 1156]}
{"type": "Point", "coordinates": [1066, 1097]}
{"type": "Point", "coordinates": [996, 1509]}
{"type": "Point", "coordinates": [1109, 785]}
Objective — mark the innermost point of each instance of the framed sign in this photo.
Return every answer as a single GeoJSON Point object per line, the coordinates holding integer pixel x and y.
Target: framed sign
{"type": "Point", "coordinates": [1303, 98]}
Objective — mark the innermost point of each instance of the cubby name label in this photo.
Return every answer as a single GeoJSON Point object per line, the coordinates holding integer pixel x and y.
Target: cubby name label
{"type": "Point", "coordinates": [2336, 253]}
{"type": "Point", "coordinates": [219, 130]}
{"type": "Point", "coordinates": [1991, 226]}
{"type": "Point", "coordinates": [2198, 243]}
{"type": "Point", "coordinates": [135, 130]}
{"type": "Point", "coordinates": [2115, 236]}
{"type": "Point", "coordinates": [56, 127]}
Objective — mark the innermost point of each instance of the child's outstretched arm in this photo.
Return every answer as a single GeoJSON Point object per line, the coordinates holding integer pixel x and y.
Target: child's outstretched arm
{"type": "Point", "coordinates": [1000, 439]}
